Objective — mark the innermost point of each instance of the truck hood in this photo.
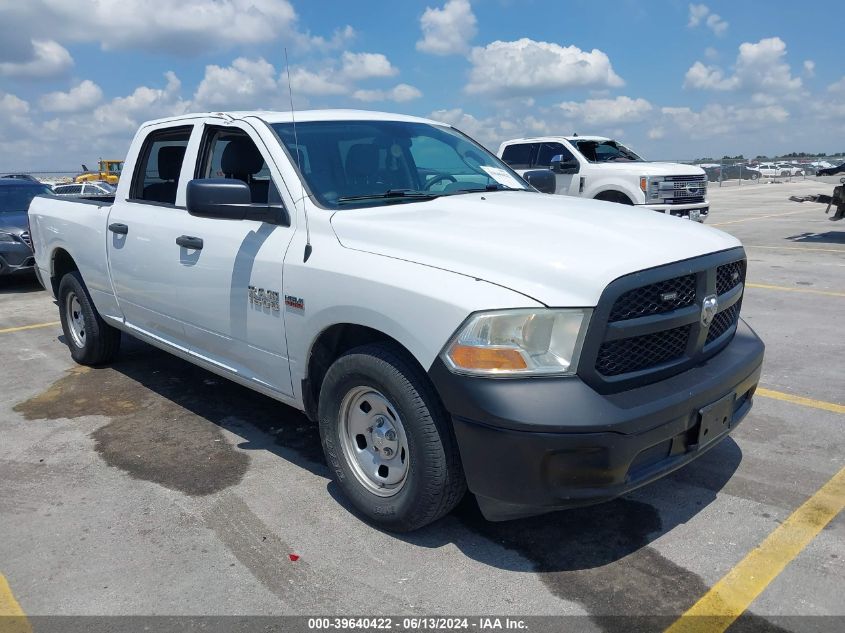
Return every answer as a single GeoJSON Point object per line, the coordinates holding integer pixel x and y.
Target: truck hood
{"type": "Point", "coordinates": [558, 250]}
{"type": "Point", "coordinates": [650, 169]}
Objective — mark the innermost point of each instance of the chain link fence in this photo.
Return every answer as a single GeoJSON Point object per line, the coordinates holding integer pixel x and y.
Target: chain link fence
{"type": "Point", "coordinates": [738, 172]}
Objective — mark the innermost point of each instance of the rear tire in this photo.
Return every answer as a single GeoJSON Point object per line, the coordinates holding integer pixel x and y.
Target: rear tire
{"type": "Point", "coordinates": [388, 440]}
{"type": "Point", "coordinates": [91, 340]}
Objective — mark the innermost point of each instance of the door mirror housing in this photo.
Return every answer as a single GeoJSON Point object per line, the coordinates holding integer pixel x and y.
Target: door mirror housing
{"type": "Point", "coordinates": [543, 180]}
{"type": "Point", "coordinates": [561, 166]}
{"type": "Point", "coordinates": [229, 199]}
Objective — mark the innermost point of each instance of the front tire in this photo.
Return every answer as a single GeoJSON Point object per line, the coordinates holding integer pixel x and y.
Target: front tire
{"type": "Point", "coordinates": [91, 340]}
{"type": "Point", "coordinates": [388, 440]}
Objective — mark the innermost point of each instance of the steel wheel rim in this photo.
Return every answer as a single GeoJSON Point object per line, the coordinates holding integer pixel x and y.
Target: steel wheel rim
{"type": "Point", "coordinates": [75, 320]}
{"type": "Point", "coordinates": [373, 440]}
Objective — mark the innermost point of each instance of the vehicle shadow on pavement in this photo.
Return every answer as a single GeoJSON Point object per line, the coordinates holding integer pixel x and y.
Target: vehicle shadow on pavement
{"type": "Point", "coordinates": [829, 237]}
{"type": "Point", "coordinates": [189, 397]}
{"type": "Point", "coordinates": [19, 284]}
{"type": "Point", "coordinates": [603, 557]}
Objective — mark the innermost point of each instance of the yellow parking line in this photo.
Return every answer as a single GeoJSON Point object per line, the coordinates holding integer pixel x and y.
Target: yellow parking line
{"type": "Point", "coordinates": [798, 248]}
{"type": "Point", "coordinates": [828, 293]}
{"type": "Point", "coordinates": [758, 217]}
{"type": "Point", "coordinates": [12, 617]}
{"type": "Point", "coordinates": [735, 592]}
{"type": "Point", "coordinates": [807, 402]}
{"type": "Point", "coordinates": [28, 327]}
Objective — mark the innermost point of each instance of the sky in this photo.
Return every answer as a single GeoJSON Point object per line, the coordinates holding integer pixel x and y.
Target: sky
{"type": "Point", "coordinates": [672, 79]}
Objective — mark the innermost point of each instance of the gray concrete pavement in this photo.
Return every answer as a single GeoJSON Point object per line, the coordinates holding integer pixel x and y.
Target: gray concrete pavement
{"type": "Point", "coordinates": [154, 487]}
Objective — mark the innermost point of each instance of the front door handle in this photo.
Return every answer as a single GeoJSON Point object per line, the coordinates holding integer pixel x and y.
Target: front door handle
{"type": "Point", "coordinates": [188, 241]}
{"type": "Point", "coordinates": [120, 229]}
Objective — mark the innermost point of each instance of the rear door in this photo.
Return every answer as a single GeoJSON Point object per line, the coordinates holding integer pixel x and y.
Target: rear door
{"type": "Point", "coordinates": [230, 301]}
{"type": "Point", "coordinates": [141, 248]}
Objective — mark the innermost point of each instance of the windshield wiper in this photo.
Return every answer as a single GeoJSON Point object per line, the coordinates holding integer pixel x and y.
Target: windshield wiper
{"type": "Point", "coordinates": [491, 187]}
{"type": "Point", "coordinates": [392, 193]}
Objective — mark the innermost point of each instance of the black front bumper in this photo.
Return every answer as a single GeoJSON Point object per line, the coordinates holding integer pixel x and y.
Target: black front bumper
{"type": "Point", "coordinates": [16, 258]}
{"type": "Point", "coordinates": [534, 445]}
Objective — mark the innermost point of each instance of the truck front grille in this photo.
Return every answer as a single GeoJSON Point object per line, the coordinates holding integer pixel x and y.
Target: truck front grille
{"type": "Point", "coordinates": [684, 189]}
{"type": "Point", "coordinates": [655, 298]}
{"type": "Point", "coordinates": [649, 325]}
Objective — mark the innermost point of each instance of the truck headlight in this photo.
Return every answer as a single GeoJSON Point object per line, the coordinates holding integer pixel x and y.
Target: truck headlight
{"type": "Point", "coordinates": [7, 237]}
{"type": "Point", "coordinates": [525, 342]}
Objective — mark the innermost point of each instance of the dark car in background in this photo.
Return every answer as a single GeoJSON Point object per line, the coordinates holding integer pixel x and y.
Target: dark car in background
{"type": "Point", "coordinates": [28, 177]}
{"type": "Point", "coordinates": [831, 171]}
{"type": "Point", "coordinates": [731, 172]}
{"type": "Point", "coordinates": [15, 244]}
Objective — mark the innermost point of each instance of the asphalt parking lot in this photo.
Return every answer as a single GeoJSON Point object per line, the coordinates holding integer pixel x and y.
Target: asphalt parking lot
{"type": "Point", "coordinates": [154, 487]}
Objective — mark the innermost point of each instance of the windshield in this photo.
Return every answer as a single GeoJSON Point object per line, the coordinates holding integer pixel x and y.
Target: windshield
{"type": "Point", "coordinates": [605, 151]}
{"type": "Point", "coordinates": [16, 198]}
{"type": "Point", "coordinates": [364, 163]}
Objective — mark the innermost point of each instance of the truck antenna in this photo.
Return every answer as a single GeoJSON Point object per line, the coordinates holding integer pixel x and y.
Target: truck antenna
{"type": "Point", "coordinates": [299, 165]}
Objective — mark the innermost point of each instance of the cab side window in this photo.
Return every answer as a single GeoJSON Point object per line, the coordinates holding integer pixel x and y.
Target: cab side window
{"type": "Point", "coordinates": [156, 177]}
{"type": "Point", "coordinates": [518, 155]}
{"type": "Point", "coordinates": [547, 151]}
{"type": "Point", "coordinates": [233, 154]}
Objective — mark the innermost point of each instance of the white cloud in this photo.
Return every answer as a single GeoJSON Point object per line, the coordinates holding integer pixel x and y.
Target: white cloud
{"type": "Point", "coordinates": [447, 31]}
{"type": "Point", "coordinates": [525, 66]}
{"type": "Point", "coordinates": [49, 60]}
{"type": "Point", "coordinates": [716, 24]}
{"type": "Point", "coordinates": [246, 84]}
{"type": "Point", "coordinates": [607, 111]}
{"type": "Point", "coordinates": [709, 78]}
{"type": "Point", "coordinates": [315, 84]}
{"type": "Point", "coordinates": [711, 53]}
{"type": "Point", "coordinates": [809, 68]}
{"type": "Point", "coordinates": [400, 94]}
{"type": "Point", "coordinates": [125, 114]}
{"type": "Point", "coordinates": [656, 133]}
{"type": "Point", "coordinates": [83, 96]}
{"type": "Point", "coordinates": [760, 68]}
{"type": "Point", "coordinates": [256, 83]}
{"type": "Point", "coordinates": [837, 86]}
{"type": "Point", "coordinates": [719, 120]}
{"type": "Point", "coordinates": [700, 14]}
{"type": "Point", "coordinates": [697, 12]}
{"type": "Point", "coordinates": [12, 105]}
{"type": "Point", "coordinates": [188, 27]}
{"type": "Point", "coordinates": [357, 66]}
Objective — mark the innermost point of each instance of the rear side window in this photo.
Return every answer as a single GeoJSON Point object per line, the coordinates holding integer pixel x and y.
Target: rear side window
{"type": "Point", "coordinates": [518, 155]}
{"type": "Point", "coordinates": [156, 177]}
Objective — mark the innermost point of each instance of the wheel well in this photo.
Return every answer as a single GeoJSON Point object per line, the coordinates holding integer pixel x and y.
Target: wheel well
{"type": "Point", "coordinates": [614, 196]}
{"type": "Point", "coordinates": [62, 265]}
{"type": "Point", "coordinates": [333, 342]}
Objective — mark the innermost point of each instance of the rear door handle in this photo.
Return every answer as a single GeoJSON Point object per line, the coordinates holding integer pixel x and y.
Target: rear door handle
{"type": "Point", "coordinates": [188, 241]}
{"type": "Point", "coordinates": [120, 229]}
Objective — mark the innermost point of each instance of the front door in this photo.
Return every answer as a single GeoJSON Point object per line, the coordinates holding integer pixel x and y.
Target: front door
{"type": "Point", "coordinates": [230, 271]}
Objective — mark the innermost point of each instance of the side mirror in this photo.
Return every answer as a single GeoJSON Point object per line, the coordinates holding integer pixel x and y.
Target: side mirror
{"type": "Point", "coordinates": [561, 166]}
{"type": "Point", "coordinates": [226, 199]}
{"type": "Point", "coordinates": [542, 180]}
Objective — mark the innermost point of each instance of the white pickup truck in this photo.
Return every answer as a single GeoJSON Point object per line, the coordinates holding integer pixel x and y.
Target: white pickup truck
{"type": "Point", "coordinates": [445, 325]}
{"type": "Point", "coordinates": [604, 169]}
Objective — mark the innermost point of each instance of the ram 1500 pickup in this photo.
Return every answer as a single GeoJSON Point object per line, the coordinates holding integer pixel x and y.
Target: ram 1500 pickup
{"type": "Point", "coordinates": [604, 169]}
{"type": "Point", "coordinates": [446, 326]}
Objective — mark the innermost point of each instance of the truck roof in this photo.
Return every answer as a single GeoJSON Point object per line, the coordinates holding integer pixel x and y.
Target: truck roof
{"type": "Point", "coordinates": [543, 139]}
{"type": "Point", "coordinates": [301, 116]}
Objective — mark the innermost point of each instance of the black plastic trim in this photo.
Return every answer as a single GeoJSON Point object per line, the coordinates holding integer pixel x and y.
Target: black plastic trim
{"type": "Point", "coordinates": [704, 267]}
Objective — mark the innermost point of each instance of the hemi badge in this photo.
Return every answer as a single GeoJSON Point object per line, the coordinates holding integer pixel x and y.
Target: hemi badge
{"type": "Point", "coordinates": [669, 296]}
{"type": "Point", "coordinates": [735, 275]}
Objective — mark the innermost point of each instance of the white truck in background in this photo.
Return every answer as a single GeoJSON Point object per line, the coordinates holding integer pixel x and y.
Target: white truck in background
{"type": "Point", "coordinates": [604, 169]}
{"type": "Point", "coordinates": [446, 326]}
